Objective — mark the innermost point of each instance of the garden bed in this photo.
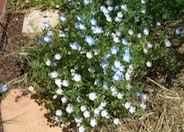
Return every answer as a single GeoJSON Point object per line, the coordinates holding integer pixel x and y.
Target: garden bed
{"type": "Point", "coordinates": [165, 106]}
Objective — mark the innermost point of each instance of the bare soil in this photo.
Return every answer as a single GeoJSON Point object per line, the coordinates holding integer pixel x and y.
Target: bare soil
{"type": "Point", "coordinates": [11, 40]}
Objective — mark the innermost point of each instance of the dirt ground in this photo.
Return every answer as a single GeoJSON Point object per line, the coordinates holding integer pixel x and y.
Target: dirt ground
{"type": "Point", "coordinates": [18, 112]}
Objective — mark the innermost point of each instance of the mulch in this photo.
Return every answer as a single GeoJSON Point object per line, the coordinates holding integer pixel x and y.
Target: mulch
{"type": "Point", "coordinates": [11, 39]}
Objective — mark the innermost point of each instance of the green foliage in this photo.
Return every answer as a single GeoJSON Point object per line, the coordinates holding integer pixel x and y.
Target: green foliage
{"type": "Point", "coordinates": [88, 67]}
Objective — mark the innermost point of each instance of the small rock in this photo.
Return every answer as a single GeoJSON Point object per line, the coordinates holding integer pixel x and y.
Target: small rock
{"type": "Point", "coordinates": [34, 22]}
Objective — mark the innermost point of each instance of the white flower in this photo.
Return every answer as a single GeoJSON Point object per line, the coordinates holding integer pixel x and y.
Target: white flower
{"type": "Point", "coordinates": [100, 107]}
{"type": "Point", "coordinates": [145, 97]}
{"type": "Point", "coordinates": [130, 31]}
{"type": "Point", "coordinates": [65, 83]}
{"type": "Point", "coordinates": [109, 19]}
{"type": "Point", "coordinates": [103, 104]}
{"type": "Point", "coordinates": [93, 122]}
{"type": "Point", "coordinates": [108, 2]}
{"type": "Point", "coordinates": [120, 14]}
{"type": "Point", "coordinates": [64, 99]}
{"type": "Point", "coordinates": [132, 109]}
{"type": "Point", "coordinates": [89, 55]}
{"type": "Point", "coordinates": [120, 96]}
{"type": "Point", "coordinates": [115, 93]}
{"type": "Point", "coordinates": [96, 111]}
{"type": "Point", "coordinates": [127, 105]}
{"type": "Point", "coordinates": [167, 43]}
{"type": "Point", "coordinates": [110, 8]}
{"type": "Point", "coordinates": [143, 106]}
{"type": "Point", "coordinates": [143, 1]}
{"type": "Point", "coordinates": [86, 114]}
{"type": "Point", "coordinates": [59, 91]}
{"type": "Point", "coordinates": [127, 76]}
{"type": "Point", "coordinates": [80, 99]}
{"type": "Point", "coordinates": [146, 31]}
{"type": "Point", "coordinates": [143, 10]}
{"type": "Point", "coordinates": [57, 56]}
{"type": "Point", "coordinates": [96, 51]}
{"type": "Point", "coordinates": [57, 6]}
{"type": "Point", "coordinates": [57, 119]}
{"type": "Point", "coordinates": [113, 35]}
{"type": "Point", "coordinates": [149, 45]}
{"type": "Point", "coordinates": [59, 112]}
{"type": "Point", "coordinates": [69, 109]}
{"type": "Point", "coordinates": [30, 88]}
{"type": "Point", "coordinates": [117, 64]}
{"type": "Point", "coordinates": [58, 82]}
{"type": "Point", "coordinates": [48, 62]}
{"type": "Point", "coordinates": [139, 35]}
{"type": "Point", "coordinates": [148, 64]}
{"type": "Point", "coordinates": [78, 119]}
{"type": "Point", "coordinates": [72, 71]}
{"type": "Point", "coordinates": [77, 77]}
{"type": "Point", "coordinates": [116, 40]}
{"type": "Point", "coordinates": [158, 24]}
{"type": "Point", "coordinates": [82, 129]}
{"type": "Point", "coordinates": [113, 88]}
{"type": "Point", "coordinates": [128, 86]}
{"type": "Point", "coordinates": [116, 121]}
{"type": "Point", "coordinates": [92, 96]}
{"type": "Point", "coordinates": [91, 69]}
{"type": "Point", "coordinates": [124, 7]}
{"type": "Point", "coordinates": [54, 97]}
{"type": "Point", "coordinates": [145, 51]}
{"type": "Point", "coordinates": [118, 33]}
{"type": "Point", "coordinates": [104, 113]}
{"type": "Point", "coordinates": [54, 74]}
{"type": "Point", "coordinates": [83, 108]}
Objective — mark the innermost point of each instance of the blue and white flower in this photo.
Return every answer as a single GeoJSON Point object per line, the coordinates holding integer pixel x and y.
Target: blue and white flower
{"type": "Point", "coordinates": [63, 18]}
{"type": "Point", "coordinates": [62, 34]}
{"type": "Point", "coordinates": [127, 58]}
{"type": "Point", "coordinates": [104, 10]}
{"type": "Point", "coordinates": [89, 40]}
{"type": "Point", "coordinates": [93, 21]}
{"type": "Point", "coordinates": [97, 30]}
{"type": "Point", "coordinates": [177, 32]}
{"type": "Point", "coordinates": [75, 46]}
{"type": "Point", "coordinates": [104, 64]}
{"type": "Point", "coordinates": [47, 39]}
{"type": "Point", "coordinates": [114, 50]}
{"type": "Point", "coordinates": [47, 24]}
{"type": "Point", "coordinates": [125, 42]}
{"type": "Point", "coordinates": [117, 77]}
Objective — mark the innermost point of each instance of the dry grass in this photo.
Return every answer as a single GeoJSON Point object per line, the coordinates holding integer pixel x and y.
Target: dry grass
{"type": "Point", "coordinates": [165, 113]}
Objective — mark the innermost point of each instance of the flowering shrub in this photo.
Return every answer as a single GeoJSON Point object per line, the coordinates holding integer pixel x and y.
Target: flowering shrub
{"type": "Point", "coordinates": [87, 68]}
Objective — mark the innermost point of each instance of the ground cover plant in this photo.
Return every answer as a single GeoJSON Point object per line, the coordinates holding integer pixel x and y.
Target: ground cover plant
{"type": "Point", "coordinates": [88, 68]}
